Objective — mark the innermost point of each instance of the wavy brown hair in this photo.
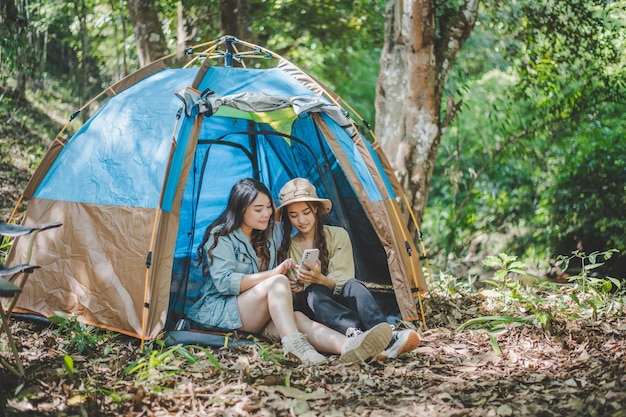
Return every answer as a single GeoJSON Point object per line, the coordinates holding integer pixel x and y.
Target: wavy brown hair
{"type": "Point", "coordinates": [320, 237]}
{"type": "Point", "coordinates": [241, 196]}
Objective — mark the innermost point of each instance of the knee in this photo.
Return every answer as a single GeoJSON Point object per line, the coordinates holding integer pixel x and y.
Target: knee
{"type": "Point", "coordinates": [279, 281]}
{"type": "Point", "coordinates": [353, 286]}
{"type": "Point", "coordinates": [300, 317]}
{"type": "Point", "coordinates": [316, 292]}
{"type": "Point", "coordinates": [318, 289]}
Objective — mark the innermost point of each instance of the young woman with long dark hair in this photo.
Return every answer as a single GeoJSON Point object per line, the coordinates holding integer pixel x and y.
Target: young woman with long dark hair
{"type": "Point", "coordinates": [245, 289]}
{"type": "Point", "coordinates": [330, 292]}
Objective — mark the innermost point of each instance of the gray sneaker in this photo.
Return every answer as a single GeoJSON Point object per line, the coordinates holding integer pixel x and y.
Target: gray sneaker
{"type": "Point", "coordinates": [402, 341]}
{"type": "Point", "coordinates": [366, 345]}
{"type": "Point", "coordinates": [295, 344]}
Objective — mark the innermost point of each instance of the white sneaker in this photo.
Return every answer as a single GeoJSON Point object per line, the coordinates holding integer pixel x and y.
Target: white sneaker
{"type": "Point", "coordinates": [366, 345]}
{"type": "Point", "coordinates": [295, 344]}
{"type": "Point", "coordinates": [353, 331]}
{"type": "Point", "coordinates": [402, 341]}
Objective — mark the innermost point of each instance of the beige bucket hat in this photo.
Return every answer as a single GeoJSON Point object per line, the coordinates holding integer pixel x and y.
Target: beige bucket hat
{"type": "Point", "coordinates": [300, 190]}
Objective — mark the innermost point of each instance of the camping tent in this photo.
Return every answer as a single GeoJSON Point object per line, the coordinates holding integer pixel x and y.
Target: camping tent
{"type": "Point", "coordinates": [138, 183]}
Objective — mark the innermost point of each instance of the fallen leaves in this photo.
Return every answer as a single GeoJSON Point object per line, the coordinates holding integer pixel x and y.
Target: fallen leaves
{"type": "Point", "coordinates": [578, 371]}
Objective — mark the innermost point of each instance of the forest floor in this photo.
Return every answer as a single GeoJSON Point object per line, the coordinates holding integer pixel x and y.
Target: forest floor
{"type": "Point", "coordinates": [576, 368]}
{"type": "Point", "coordinates": [563, 355]}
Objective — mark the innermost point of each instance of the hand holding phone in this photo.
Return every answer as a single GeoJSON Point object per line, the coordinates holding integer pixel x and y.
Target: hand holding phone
{"type": "Point", "coordinates": [310, 256]}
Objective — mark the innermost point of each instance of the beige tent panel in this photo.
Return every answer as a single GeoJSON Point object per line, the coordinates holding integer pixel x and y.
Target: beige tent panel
{"type": "Point", "coordinates": [382, 221]}
{"type": "Point", "coordinates": [411, 260]}
{"type": "Point", "coordinates": [160, 281]}
{"type": "Point", "coordinates": [94, 265]}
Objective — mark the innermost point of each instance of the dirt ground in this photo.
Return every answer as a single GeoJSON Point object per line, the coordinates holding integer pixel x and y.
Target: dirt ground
{"type": "Point", "coordinates": [576, 369]}
{"type": "Point", "coordinates": [571, 365]}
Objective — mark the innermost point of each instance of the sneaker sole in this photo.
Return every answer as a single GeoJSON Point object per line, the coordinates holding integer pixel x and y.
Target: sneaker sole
{"type": "Point", "coordinates": [294, 358]}
{"type": "Point", "coordinates": [410, 345]}
{"type": "Point", "coordinates": [376, 340]}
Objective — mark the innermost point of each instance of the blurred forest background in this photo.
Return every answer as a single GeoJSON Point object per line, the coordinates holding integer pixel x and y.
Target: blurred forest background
{"type": "Point", "coordinates": [531, 160]}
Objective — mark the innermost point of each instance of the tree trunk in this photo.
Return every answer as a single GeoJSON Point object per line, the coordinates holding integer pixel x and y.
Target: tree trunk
{"type": "Point", "coordinates": [148, 32]}
{"type": "Point", "coordinates": [14, 26]}
{"type": "Point", "coordinates": [81, 15]}
{"type": "Point", "coordinates": [414, 66]}
{"type": "Point", "coordinates": [236, 19]}
{"type": "Point", "coordinates": [181, 31]}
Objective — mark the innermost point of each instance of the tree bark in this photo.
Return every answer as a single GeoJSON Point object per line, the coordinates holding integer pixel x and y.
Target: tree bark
{"type": "Point", "coordinates": [14, 26]}
{"type": "Point", "coordinates": [148, 31]}
{"type": "Point", "coordinates": [85, 62]}
{"type": "Point", "coordinates": [236, 19]}
{"type": "Point", "coordinates": [414, 67]}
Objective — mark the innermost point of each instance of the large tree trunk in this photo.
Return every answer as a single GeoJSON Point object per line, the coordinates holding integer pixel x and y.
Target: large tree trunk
{"type": "Point", "coordinates": [14, 26]}
{"type": "Point", "coordinates": [148, 32]}
{"type": "Point", "coordinates": [414, 66]}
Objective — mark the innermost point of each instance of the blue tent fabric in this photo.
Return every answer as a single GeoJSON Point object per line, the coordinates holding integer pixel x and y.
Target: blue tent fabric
{"type": "Point", "coordinates": [139, 124]}
{"type": "Point", "coordinates": [138, 184]}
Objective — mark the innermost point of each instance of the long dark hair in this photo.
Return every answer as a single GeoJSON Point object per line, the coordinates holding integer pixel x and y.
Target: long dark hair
{"type": "Point", "coordinates": [320, 237]}
{"type": "Point", "coordinates": [241, 196]}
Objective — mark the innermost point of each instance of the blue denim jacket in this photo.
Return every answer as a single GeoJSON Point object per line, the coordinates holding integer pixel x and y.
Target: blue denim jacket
{"type": "Point", "coordinates": [233, 257]}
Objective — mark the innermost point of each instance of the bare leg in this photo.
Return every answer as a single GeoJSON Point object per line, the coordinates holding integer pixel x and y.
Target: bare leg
{"type": "Point", "coordinates": [323, 339]}
{"type": "Point", "coordinates": [271, 300]}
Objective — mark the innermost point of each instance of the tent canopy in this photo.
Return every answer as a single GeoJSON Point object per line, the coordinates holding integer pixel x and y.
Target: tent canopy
{"type": "Point", "coordinates": [139, 182]}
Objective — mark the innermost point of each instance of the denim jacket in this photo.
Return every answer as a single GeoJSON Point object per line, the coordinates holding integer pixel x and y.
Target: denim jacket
{"type": "Point", "coordinates": [233, 257]}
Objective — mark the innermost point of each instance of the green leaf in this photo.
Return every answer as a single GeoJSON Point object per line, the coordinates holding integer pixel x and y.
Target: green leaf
{"type": "Point", "coordinates": [494, 344]}
{"type": "Point", "coordinates": [492, 261]}
{"type": "Point", "coordinates": [500, 274]}
{"type": "Point", "coordinates": [490, 321]}
{"type": "Point", "coordinates": [68, 362]}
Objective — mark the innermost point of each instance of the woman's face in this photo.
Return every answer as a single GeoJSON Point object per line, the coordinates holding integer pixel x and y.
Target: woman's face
{"type": "Point", "coordinates": [302, 217]}
{"type": "Point", "coordinates": [258, 214]}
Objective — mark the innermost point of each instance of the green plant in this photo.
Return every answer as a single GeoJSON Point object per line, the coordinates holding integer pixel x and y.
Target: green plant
{"type": "Point", "coordinates": [160, 360]}
{"type": "Point", "coordinates": [77, 336]}
{"type": "Point", "coordinates": [504, 266]}
{"type": "Point", "coordinates": [266, 351]}
{"type": "Point", "coordinates": [68, 363]}
{"type": "Point", "coordinates": [531, 297]}
{"type": "Point", "coordinates": [595, 292]}
{"type": "Point", "coordinates": [587, 264]}
{"type": "Point", "coordinates": [545, 301]}
{"type": "Point", "coordinates": [585, 194]}
{"type": "Point", "coordinates": [492, 325]}
{"type": "Point", "coordinates": [5, 245]}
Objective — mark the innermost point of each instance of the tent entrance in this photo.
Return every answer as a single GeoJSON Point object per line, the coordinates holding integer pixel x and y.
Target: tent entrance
{"type": "Point", "coordinates": [274, 158]}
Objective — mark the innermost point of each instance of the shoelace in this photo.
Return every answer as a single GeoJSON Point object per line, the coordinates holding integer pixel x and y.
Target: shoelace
{"type": "Point", "coordinates": [353, 332]}
{"type": "Point", "coordinates": [301, 345]}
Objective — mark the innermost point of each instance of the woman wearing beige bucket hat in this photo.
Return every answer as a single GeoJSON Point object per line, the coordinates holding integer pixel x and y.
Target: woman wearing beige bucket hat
{"type": "Point", "coordinates": [247, 289]}
{"type": "Point", "coordinates": [330, 293]}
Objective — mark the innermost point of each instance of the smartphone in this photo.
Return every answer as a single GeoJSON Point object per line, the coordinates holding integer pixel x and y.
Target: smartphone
{"type": "Point", "coordinates": [309, 256]}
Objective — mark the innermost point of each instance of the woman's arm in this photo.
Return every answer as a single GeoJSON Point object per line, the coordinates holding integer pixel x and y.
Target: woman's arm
{"type": "Point", "coordinates": [250, 280]}
{"type": "Point", "coordinates": [341, 262]}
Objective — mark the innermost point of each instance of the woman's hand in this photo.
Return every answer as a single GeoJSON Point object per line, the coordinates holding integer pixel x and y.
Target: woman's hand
{"type": "Point", "coordinates": [296, 285]}
{"type": "Point", "coordinates": [314, 276]}
{"type": "Point", "coordinates": [284, 267]}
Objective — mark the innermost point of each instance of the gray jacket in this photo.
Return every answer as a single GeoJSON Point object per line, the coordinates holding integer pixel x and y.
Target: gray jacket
{"type": "Point", "coordinates": [233, 257]}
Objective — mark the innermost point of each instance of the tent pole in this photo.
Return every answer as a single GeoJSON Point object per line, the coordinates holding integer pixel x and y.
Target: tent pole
{"type": "Point", "coordinates": [419, 296]}
{"type": "Point", "coordinates": [147, 279]}
{"type": "Point", "coordinates": [417, 227]}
